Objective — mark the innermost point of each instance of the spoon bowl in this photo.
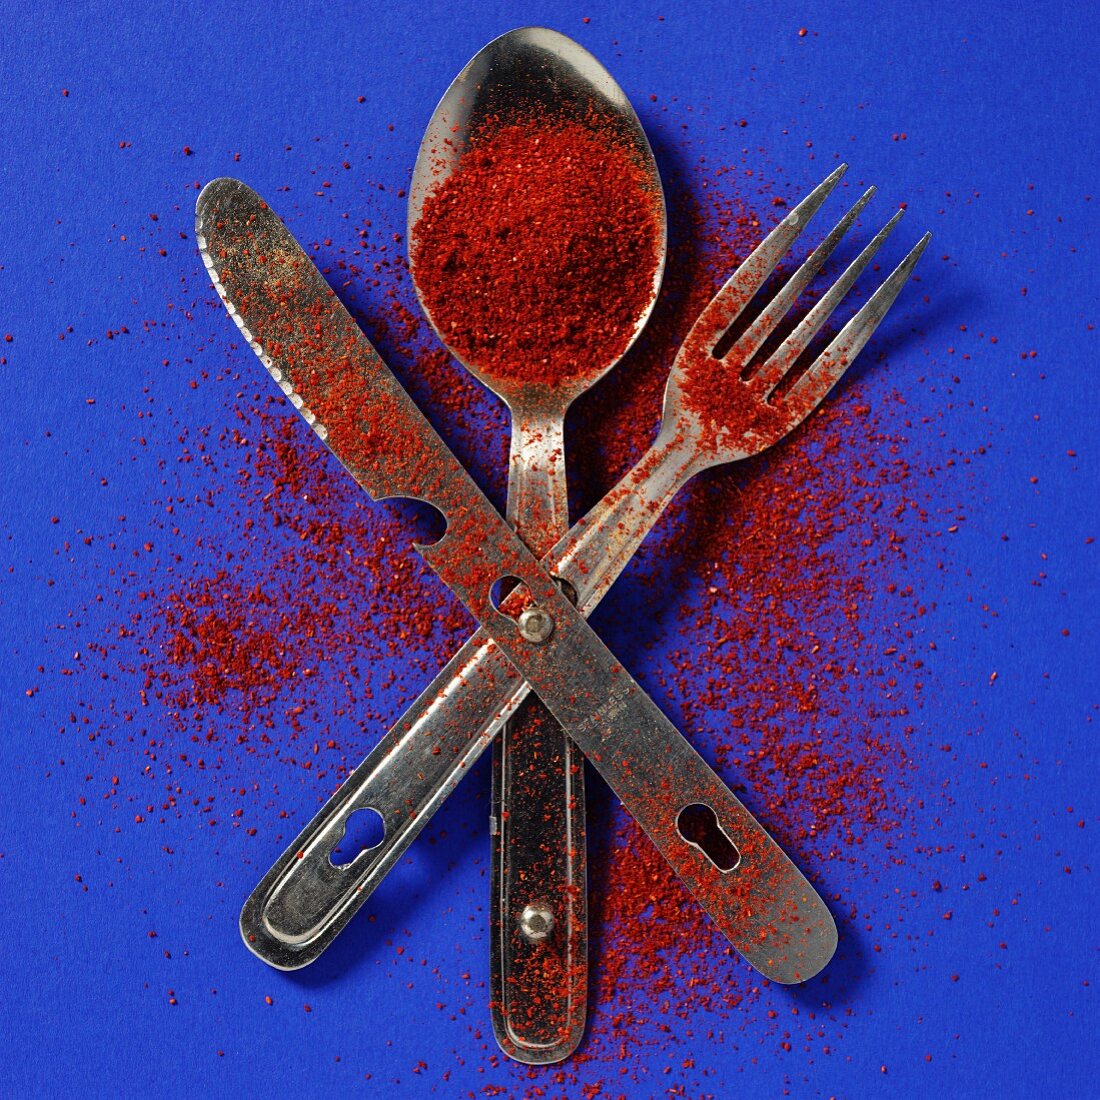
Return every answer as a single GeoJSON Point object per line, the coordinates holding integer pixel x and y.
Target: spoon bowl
{"type": "Point", "coordinates": [531, 74]}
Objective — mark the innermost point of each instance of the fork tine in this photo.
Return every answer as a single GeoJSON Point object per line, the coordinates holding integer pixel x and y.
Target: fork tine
{"type": "Point", "coordinates": [772, 372]}
{"type": "Point", "coordinates": [749, 343]}
{"type": "Point", "coordinates": [831, 364]}
{"type": "Point", "coordinates": [725, 307]}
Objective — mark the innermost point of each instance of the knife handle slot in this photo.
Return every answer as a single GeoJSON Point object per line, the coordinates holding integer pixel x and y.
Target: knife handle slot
{"type": "Point", "coordinates": [364, 829]}
{"type": "Point", "coordinates": [510, 596]}
{"type": "Point", "coordinates": [420, 521]}
{"type": "Point", "coordinates": [698, 825]}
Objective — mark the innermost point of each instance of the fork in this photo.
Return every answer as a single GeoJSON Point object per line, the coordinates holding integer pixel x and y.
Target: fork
{"type": "Point", "coordinates": [597, 549]}
{"type": "Point", "coordinates": [305, 900]}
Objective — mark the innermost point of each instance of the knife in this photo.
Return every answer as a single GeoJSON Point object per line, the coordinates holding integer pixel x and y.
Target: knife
{"type": "Point", "coordinates": [330, 372]}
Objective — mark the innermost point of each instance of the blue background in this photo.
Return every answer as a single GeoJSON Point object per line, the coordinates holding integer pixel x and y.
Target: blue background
{"type": "Point", "coordinates": [999, 160]}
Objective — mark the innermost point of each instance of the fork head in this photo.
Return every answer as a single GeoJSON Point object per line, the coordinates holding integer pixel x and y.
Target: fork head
{"type": "Point", "coordinates": [728, 416]}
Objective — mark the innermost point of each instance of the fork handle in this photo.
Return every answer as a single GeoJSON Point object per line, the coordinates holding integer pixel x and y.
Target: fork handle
{"type": "Point", "coordinates": [539, 881]}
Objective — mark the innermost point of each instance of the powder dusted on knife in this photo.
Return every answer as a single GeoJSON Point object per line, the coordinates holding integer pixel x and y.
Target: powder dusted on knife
{"type": "Point", "coordinates": [535, 257]}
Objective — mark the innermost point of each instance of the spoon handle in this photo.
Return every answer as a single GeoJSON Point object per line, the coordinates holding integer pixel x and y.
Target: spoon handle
{"type": "Point", "coordinates": [539, 882]}
{"type": "Point", "coordinates": [537, 499]}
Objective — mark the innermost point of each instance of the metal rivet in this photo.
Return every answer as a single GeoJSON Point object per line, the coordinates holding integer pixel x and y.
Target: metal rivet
{"type": "Point", "coordinates": [536, 625]}
{"type": "Point", "coordinates": [535, 922]}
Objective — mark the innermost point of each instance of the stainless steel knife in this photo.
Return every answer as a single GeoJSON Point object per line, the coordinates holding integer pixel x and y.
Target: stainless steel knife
{"type": "Point", "coordinates": [333, 376]}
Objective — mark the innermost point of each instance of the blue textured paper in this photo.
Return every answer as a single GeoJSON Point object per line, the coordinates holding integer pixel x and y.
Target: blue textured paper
{"type": "Point", "coordinates": [122, 972]}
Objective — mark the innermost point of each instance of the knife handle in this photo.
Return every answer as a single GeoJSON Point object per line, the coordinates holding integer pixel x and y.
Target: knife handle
{"type": "Point", "coordinates": [756, 896]}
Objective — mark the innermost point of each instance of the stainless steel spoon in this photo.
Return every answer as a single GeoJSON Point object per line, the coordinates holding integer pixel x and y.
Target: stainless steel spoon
{"type": "Point", "coordinates": [538, 908]}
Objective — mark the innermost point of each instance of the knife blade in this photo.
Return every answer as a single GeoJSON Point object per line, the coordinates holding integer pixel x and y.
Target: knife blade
{"type": "Point", "coordinates": [329, 371]}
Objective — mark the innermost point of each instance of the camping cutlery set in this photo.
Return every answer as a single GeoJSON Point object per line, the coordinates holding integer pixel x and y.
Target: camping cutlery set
{"type": "Point", "coordinates": [530, 582]}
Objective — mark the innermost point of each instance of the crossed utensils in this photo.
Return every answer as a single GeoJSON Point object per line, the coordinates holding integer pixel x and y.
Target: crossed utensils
{"type": "Point", "coordinates": [535, 637]}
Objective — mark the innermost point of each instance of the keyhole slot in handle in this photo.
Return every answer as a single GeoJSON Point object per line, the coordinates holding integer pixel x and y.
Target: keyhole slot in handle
{"type": "Point", "coordinates": [364, 830]}
{"type": "Point", "coordinates": [698, 825]}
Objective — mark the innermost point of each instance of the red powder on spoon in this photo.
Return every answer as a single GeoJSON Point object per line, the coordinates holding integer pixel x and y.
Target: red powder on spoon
{"type": "Point", "coordinates": [535, 257]}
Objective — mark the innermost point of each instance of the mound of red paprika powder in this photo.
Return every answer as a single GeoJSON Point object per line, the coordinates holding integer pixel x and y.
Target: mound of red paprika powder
{"type": "Point", "coordinates": [535, 257]}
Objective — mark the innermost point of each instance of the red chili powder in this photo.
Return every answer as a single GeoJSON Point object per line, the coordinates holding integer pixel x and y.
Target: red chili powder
{"type": "Point", "coordinates": [535, 257]}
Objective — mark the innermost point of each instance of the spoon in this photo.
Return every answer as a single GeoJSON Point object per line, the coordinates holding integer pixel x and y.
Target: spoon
{"type": "Point", "coordinates": [525, 84]}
